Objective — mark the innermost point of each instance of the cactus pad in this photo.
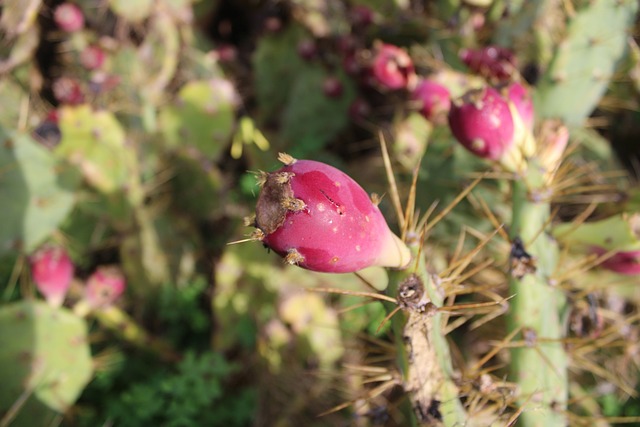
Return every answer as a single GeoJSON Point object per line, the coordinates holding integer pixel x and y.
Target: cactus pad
{"type": "Point", "coordinates": [34, 200]}
{"type": "Point", "coordinates": [95, 142]}
{"type": "Point", "coordinates": [202, 117]}
{"type": "Point", "coordinates": [45, 355]}
{"type": "Point", "coordinates": [585, 61]}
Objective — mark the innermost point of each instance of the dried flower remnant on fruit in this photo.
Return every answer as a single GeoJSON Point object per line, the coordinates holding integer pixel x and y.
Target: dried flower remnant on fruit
{"type": "Point", "coordinates": [271, 209]}
{"type": "Point", "coordinates": [317, 217]}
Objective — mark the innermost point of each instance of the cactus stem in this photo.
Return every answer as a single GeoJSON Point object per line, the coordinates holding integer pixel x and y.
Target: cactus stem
{"type": "Point", "coordinates": [423, 353]}
{"type": "Point", "coordinates": [539, 365]}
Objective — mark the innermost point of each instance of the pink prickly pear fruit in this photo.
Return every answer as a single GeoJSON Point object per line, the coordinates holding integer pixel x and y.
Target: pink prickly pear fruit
{"type": "Point", "coordinates": [307, 49]}
{"type": "Point", "coordinates": [521, 99]}
{"type": "Point", "coordinates": [434, 100]}
{"type": "Point", "coordinates": [332, 87]}
{"type": "Point", "coordinates": [52, 271]}
{"type": "Point", "coordinates": [361, 16]}
{"type": "Point", "coordinates": [492, 62]}
{"type": "Point", "coordinates": [623, 262]}
{"type": "Point", "coordinates": [392, 67]}
{"type": "Point", "coordinates": [319, 218]}
{"type": "Point", "coordinates": [68, 91]}
{"type": "Point", "coordinates": [359, 109]}
{"type": "Point", "coordinates": [92, 58]}
{"type": "Point", "coordinates": [481, 121]}
{"type": "Point", "coordinates": [104, 287]}
{"type": "Point", "coordinates": [68, 17]}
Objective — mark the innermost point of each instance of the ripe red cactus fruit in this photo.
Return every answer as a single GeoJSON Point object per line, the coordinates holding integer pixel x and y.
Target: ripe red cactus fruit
{"type": "Point", "coordinates": [433, 99]}
{"type": "Point", "coordinates": [307, 49]}
{"type": "Point", "coordinates": [68, 17]}
{"type": "Point", "coordinates": [92, 57]}
{"type": "Point", "coordinates": [492, 62]}
{"type": "Point", "coordinates": [392, 67]}
{"type": "Point", "coordinates": [104, 287]}
{"type": "Point", "coordinates": [68, 91]}
{"type": "Point", "coordinates": [361, 16]}
{"type": "Point", "coordinates": [359, 109]}
{"type": "Point", "coordinates": [481, 121]}
{"type": "Point", "coordinates": [521, 99]}
{"type": "Point", "coordinates": [332, 87]}
{"type": "Point", "coordinates": [623, 262]}
{"type": "Point", "coordinates": [52, 271]}
{"type": "Point", "coordinates": [319, 218]}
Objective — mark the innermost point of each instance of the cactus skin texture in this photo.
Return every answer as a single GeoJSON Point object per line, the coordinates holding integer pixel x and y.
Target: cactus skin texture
{"type": "Point", "coordinates": [47, 360]}
{"type": "Point", "coordinates": [35, 195]}
{"type": "Point", "coordinates": [319, 218]}
{"type": "Point", "coordinates": [584, 62]}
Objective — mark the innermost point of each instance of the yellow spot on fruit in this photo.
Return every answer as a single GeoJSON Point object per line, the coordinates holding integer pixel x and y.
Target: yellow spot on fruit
{"type": "Point", "coordinates": [334, 259]}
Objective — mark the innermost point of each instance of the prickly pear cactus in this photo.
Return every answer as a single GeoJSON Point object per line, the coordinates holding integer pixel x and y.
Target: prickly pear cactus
{"type": "Point", "coordinates": [585, 60]}
{"type": "Point", "coordinates": [35, 194]}
{"type": "Point", "coordinates": [46, 359]}
{"type": "Point", "coordinates": [202, 117]}
{"type": "Point", "coordinates": [94, 141]}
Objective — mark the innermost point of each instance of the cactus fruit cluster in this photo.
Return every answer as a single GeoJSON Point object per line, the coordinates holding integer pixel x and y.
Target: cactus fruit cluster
{"type": "Point", "coordinates": [452, 239]}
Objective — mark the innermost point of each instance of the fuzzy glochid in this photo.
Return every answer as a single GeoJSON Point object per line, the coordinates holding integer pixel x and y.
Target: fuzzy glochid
{"type": "Point", "coordinates": [319, 218]}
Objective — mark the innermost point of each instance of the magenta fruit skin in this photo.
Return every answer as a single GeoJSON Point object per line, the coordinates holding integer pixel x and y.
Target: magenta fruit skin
{"type": "Point", "coordinates": [392, 67]}
{"type": "Point", "coordinates": [92, 58]}
{"type": "Point", "coordinates": [490, 61]}
{"type": "Point", "coordinates": [434, 99]}
{"type": "Point", "coordinates": [52, 271]}
{"type": "Point", "coordinates": [521, 99]}
{"type": "Point", "coordinates": [104, 287]}
{"type": "Point", "coordinates": [623, 262]}
{"type": "Point", "coordinates": [339, 230]}
{"type": "Point", "coordinates": [68, 17]}
{"type": "Point", "coordinates": [483, 126]}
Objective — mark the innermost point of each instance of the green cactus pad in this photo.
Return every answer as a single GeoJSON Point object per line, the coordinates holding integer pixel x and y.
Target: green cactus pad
{"type": "Point", "coordinates": [619, 233]}
{"type": "Point", "coordinates": [312, 119]}
{"type": "Point", "coordinates": [34, 195]}
{"type": "Point", "coordinates": [95, 142]}
{"type": "Point", "coordinates": [585, 60]}
{"type": "Point", "coordinates": [133, 11]}
{"type": "Point", "coordinates": [276, 61]}
{"type": "Point", "coordinates": [202, 117]}
{"type": "Point", "coordinates": [46, 356]}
